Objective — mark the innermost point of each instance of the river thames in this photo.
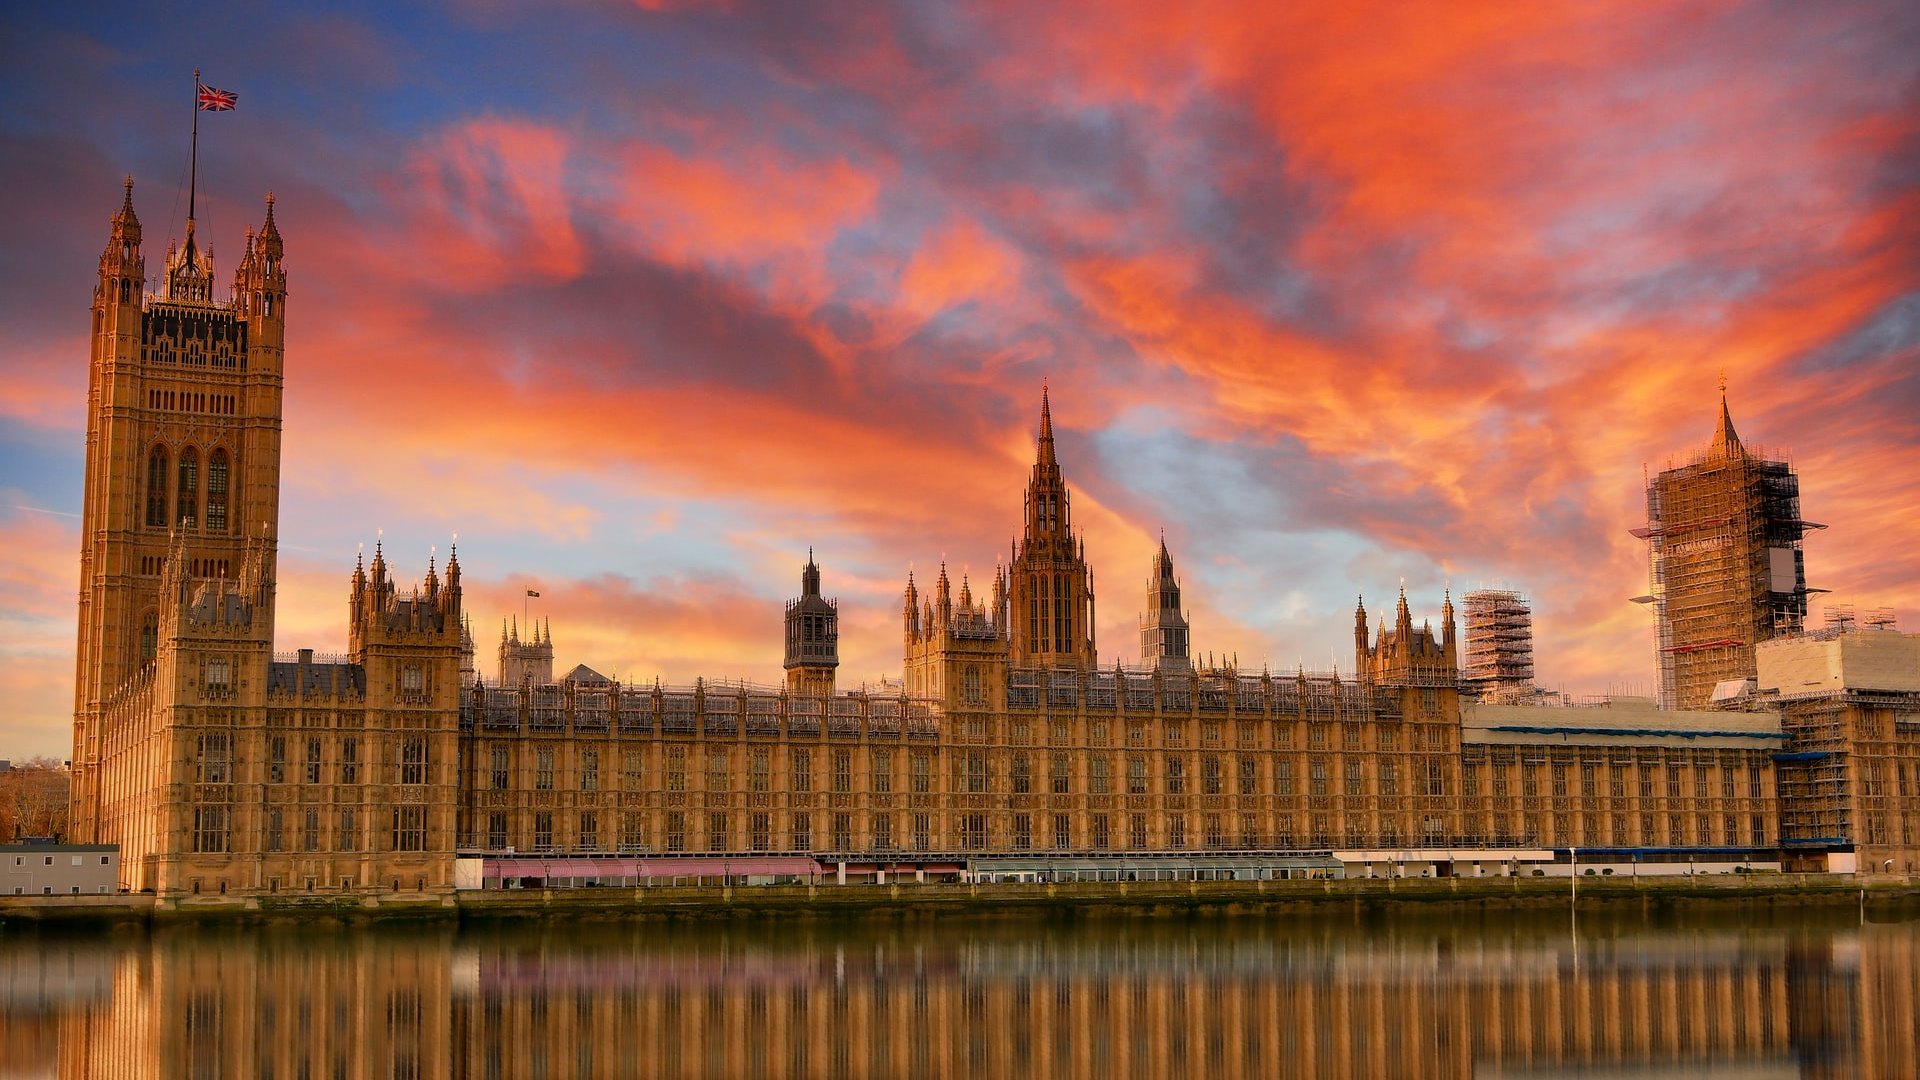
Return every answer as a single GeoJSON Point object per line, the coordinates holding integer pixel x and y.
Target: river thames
{"type": "Point", "coordinates": [1480, 994]}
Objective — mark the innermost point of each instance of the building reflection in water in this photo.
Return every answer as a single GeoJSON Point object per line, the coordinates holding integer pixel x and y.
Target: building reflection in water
{"type": "Point", "coordinates": [1225, 998]}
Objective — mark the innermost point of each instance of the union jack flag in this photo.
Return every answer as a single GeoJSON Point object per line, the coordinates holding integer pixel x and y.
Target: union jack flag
{"type": "Point", "coordinates": [212, 100]}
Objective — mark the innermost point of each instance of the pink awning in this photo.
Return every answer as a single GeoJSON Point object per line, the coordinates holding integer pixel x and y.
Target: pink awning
{"type": "Point", "coordinates": [518, 866]}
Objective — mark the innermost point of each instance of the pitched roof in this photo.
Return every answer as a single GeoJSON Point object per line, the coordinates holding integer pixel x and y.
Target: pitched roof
{"type": "Point", "coordinates": [585, 676]}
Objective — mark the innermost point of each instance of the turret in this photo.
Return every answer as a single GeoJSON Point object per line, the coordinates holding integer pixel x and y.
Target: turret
{"type": "Point", "coordinates": [1360, 635]}
{"type": "Point", "coordinates": [453, 574]}
{"type": "Point", "coordinates": [469, 674]}
{"type": "Point", "coordinates": [813, 636]}
{"type": "Point", "coordinates": [1406, 655]}
{"type": "Point", "coordinates": [123, 271]}
{"type": "Point", "coordinates": [999, 613]}
{"type": "Point", "coordinates": [427, 614]}
{"type": "Point", "coordinates": [526, 661]}
{"type": "Point", "coordinates": [1164, 635]}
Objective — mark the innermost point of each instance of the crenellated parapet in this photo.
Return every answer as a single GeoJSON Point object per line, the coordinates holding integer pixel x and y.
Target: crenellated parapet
{"type": "Point", "coordinates": [1224, 692]}
{"type": "Point", "coordinates": [702, 710]}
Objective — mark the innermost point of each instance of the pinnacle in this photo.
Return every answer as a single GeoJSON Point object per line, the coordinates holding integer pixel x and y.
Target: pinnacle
{"type": "Point", "coordinates": [1046, 454]}
{"type": "Point", "coordinates": [1726, 441]}
{"type": "Point", "coordinates": [268, 229]}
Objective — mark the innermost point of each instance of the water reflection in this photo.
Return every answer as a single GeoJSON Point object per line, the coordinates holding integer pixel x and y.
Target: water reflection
{"type": "Point", "coordinates": [1502, 996]}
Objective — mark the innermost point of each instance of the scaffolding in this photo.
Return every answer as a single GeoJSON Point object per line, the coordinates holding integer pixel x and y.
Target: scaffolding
{"type": "Point", "coordinates": [1815, 775]}
{"type": "Point", "coordinates": [1842, 619]}
{"type": "Point", "coordinates": [1499, 663]}
{"type": "Point", "coordinates": [1724, 534]}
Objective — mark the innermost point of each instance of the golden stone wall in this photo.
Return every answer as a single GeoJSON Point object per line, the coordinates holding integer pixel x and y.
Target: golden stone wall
{"type": "Point", "coordinates": [1075, 762]}
{"type": "Point", "coordinates": [1621, 796]}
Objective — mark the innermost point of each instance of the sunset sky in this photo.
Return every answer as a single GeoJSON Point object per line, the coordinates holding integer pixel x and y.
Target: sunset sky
{"type": "Point", "coordinates": [643, 300]}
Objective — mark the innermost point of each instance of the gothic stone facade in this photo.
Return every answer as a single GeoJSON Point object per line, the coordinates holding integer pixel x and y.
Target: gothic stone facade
{"type": "Point", "coordinates": [1006, 739]}
{"type": "Point", "coordinates": [222, 768]}
{"type": "Point", "coordinates": [217, 767]}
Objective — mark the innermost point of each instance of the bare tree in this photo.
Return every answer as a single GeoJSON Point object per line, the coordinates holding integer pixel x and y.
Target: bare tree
{"type": "Point", "coordinates": [33, 799]}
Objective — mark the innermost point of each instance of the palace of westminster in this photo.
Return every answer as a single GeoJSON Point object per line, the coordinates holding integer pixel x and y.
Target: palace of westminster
{"type": "Point", "coordinates": [397, 772]}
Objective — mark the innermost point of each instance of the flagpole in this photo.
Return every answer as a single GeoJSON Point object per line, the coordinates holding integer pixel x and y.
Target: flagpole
{"type": "Point", "coordinates": [193, 157]}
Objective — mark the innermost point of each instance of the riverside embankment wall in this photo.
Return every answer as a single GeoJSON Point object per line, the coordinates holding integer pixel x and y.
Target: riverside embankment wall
{"type": "Point", "coordinates": [1084, 899]}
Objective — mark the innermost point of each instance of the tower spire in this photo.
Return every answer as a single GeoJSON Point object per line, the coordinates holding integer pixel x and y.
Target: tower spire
{"type": "Point", "coordinates": [127, 219]}
{"type": "Point", "coordinates": [1726, 441]}
{"type": "Point", "coordinates": [1045, 450]}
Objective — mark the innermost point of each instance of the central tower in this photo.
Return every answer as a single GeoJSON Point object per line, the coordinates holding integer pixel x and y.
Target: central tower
{"type": "Point", "coordinates": [1724, 539]}
{"type": "Point", "coordinates": [183, 455]}
{"type": "Point", "coordinates": [1050, 588]}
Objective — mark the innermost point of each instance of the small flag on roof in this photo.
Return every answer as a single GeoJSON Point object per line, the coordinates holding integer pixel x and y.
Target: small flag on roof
{"type": "Point", "coordinates": [212, 100]}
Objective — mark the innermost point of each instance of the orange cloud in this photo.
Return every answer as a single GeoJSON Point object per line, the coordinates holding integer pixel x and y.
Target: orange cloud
{"type": "Point", "coordinates": [743, 209]}
{"type": "Point", "coordinates": [489, 204]}
{"type": "Point", "coordinates": [38, 626]}
{"type": "Point", "coordinates": [959, 263]}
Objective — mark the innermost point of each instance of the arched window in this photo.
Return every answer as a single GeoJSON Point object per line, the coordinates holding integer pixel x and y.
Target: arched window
{"type": "Point", "coordinates": [157, 488]}
{"type": "Point", "coordinates": [1062, 615]}
{"type": "Point", "coordinates": [149, 637]}
{"type": "Point", "coordinates": [187, 494]}
{"type": "Point", "coordinates": [217, 492]}
{"type": "Point", "coordinates": [1045, 642]}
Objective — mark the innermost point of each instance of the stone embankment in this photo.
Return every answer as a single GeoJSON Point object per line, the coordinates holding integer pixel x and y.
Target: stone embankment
{"type": "Point", "coordinates": [1879, 895]}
